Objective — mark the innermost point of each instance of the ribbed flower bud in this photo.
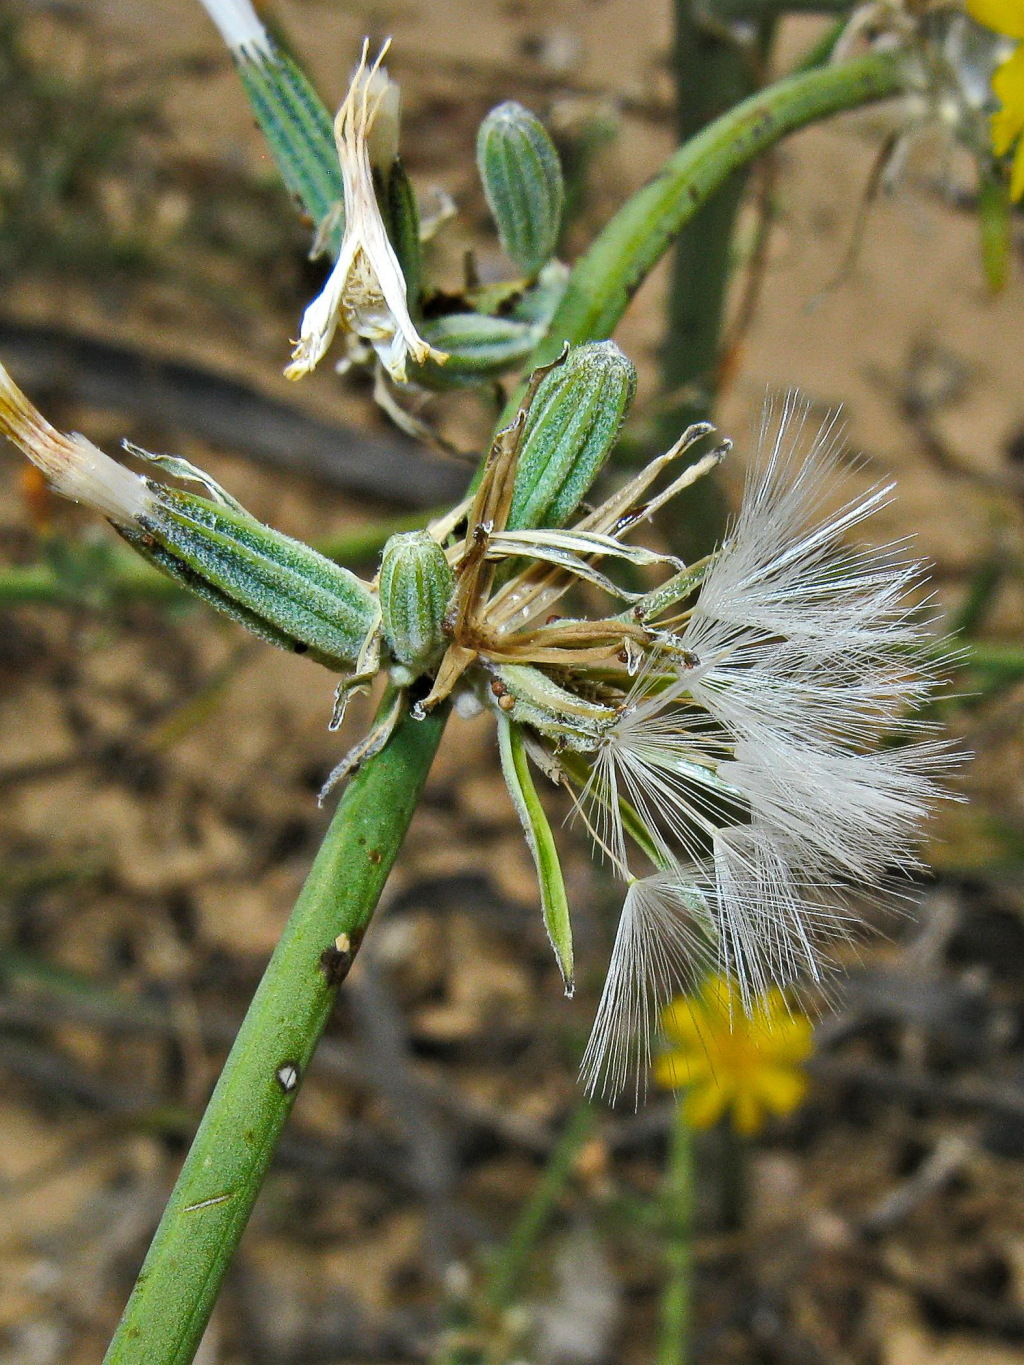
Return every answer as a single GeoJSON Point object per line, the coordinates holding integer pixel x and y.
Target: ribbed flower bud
{"type": "Point", "coordinates": [416, 584]}
{"type": "Point", "coordinates": [572, 424]}
{"type": "Point", "coordinates": [276, 586]}
{"type": "Point", "coordinates": [522, 179]}
{"type": "Point", "coordinates": [477, 346]}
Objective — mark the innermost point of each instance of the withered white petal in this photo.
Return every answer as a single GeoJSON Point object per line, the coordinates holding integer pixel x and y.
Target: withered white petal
{"type": "Point", "coordinates": [240, 27]}
{"type": "Point", "coordinates": [76, 468]}
{"type": "Point", "coordinates": [366, 291]}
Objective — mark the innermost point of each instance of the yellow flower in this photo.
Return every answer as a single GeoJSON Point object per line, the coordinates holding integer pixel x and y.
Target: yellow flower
{"type": "Point", "coordinates": [1007, 17]}
{"type": "Point", "coordinates": [730, 1060]}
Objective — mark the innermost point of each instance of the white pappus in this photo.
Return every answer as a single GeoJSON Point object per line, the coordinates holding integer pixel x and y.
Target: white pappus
{"type": "Point", "coordinates": [754, 773]}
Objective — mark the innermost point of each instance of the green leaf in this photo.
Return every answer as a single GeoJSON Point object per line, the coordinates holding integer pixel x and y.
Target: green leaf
{"type": "Point", "coordinates": [554, 901]}
{"type": "Point", "coordinates": [300, 133]}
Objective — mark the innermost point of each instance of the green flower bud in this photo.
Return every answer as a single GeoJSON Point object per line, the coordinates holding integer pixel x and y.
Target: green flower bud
{"type": "Point", "coordinates": [279, 588]}
{"type": "Point", "coordinates": [415, 586]}
{"type": "Point", "coordinates": [522, 179]}
{"type": "Point", "coordinates": [478, 348]}
{"type": "Point", "coordinates": [403, 222]}
{"type": "Point", "coordinates": [571, 426]}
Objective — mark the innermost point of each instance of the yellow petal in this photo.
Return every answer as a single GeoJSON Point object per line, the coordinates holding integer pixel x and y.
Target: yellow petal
{"type": "Point", "coordinates": [1017, 178]}
{"type": "Point", "coordinates": [791, 1039]}
{"type": "Point", "coordinates": [747, 1114]}
{"type": "Point", "coordinates": [682, 1027]}
{"type": "Point", "coordinates": [704, 1105]}
{"type": "Point", "coordinates": [1005, 16]}
{"type": "Point", "coordinates": [1008, 88]}
{"type": "Point", "coordinates": [674, 1070]}
{"type": "Point", "coordinates": [779, 1088]}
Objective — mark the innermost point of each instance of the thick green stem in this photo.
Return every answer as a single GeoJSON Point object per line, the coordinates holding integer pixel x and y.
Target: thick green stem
{"type": "Point", "coordinates": [713, 73]}
{"type": "Point", "coordinates": [606, 278]}
{"type": "Point", "coordinates": [678, 1203]}
{"type": "Point", "coordinates": [167, 1313]}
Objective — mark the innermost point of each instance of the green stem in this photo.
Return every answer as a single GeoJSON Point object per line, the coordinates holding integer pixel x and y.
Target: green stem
{"type": "Point", "coordinates": [713, 73]}
{"type": "Point", "coordinates": [167, 1313]}
{"type": "Point", "coordinates": [678, 1203]}
{"type": "Point", "coordinates": [507, 1273]}
{"type": "Point", "coordinates": [733, 1152]}
{"type": "Point", "coordinates": [606, 278]}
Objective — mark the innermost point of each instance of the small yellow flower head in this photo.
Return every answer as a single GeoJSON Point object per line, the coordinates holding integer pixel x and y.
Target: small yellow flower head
{"type": "Point", "coordinates": [365, 294]}
{"type": "Point", "coordinates": [729, 1061]}
{"type": "Point", "coordinates": [1007, 17]}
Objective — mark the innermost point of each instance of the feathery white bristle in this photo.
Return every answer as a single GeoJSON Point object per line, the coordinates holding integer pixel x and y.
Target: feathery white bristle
{"type": "Point", "coordinates": [751, 771]}
{"type": "Point", "coordinates": [239, 26]}
{"type": "Point", "coordinates": [661, 944]}
{"type": "Point", "coordinates": [74, 466]}
{"type": "Point", "coordinates": [854, 813]}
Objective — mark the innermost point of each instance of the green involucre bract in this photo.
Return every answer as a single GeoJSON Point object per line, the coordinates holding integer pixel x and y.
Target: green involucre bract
{"type": "Point", "coordinates": [570, 429]}
{"type": "Point", "coordinates": [415, 586]}
{"type": "Point", "coordinates": [287, 592]}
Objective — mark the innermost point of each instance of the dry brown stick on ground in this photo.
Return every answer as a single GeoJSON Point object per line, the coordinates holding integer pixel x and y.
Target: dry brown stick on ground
{"type": "Point", "coordinates": [227, 413]}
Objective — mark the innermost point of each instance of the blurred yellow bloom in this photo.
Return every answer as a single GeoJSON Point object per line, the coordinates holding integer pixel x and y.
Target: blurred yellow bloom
{"type": "Point", "coordinates": [731, 1061]}
{"type": "Point", "coordinates": [1006, 17]}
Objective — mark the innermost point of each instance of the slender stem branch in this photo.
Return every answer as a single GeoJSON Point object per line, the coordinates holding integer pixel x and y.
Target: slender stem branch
{"type": "Point", "coordinates": [506, 1275]}
{"type": "Point", "coordinates": [713, 72]}
{"type": "Point", "coordinates": [678, 1202]}
{"type": "Point", "coordinates": [167, 1313]}
{"type": "Point", "coordinates": [755, 10]}
{"type": "Point", "coordinates": [606, 278]}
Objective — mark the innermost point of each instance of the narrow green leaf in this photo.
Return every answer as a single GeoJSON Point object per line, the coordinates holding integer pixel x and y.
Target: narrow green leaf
{"type": "Point", "coordinates": [300, 133]}
{"type": "Point", "coordinates": [995, 227]}
{"type": "Point", "coordinates": [403, 221]}
{"type": "Point", "coordinates": [555, 903]}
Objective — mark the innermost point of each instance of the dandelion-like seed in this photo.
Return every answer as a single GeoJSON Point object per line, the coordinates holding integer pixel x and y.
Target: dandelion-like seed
{"type": "Point", "coordinates": [750, 772]}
